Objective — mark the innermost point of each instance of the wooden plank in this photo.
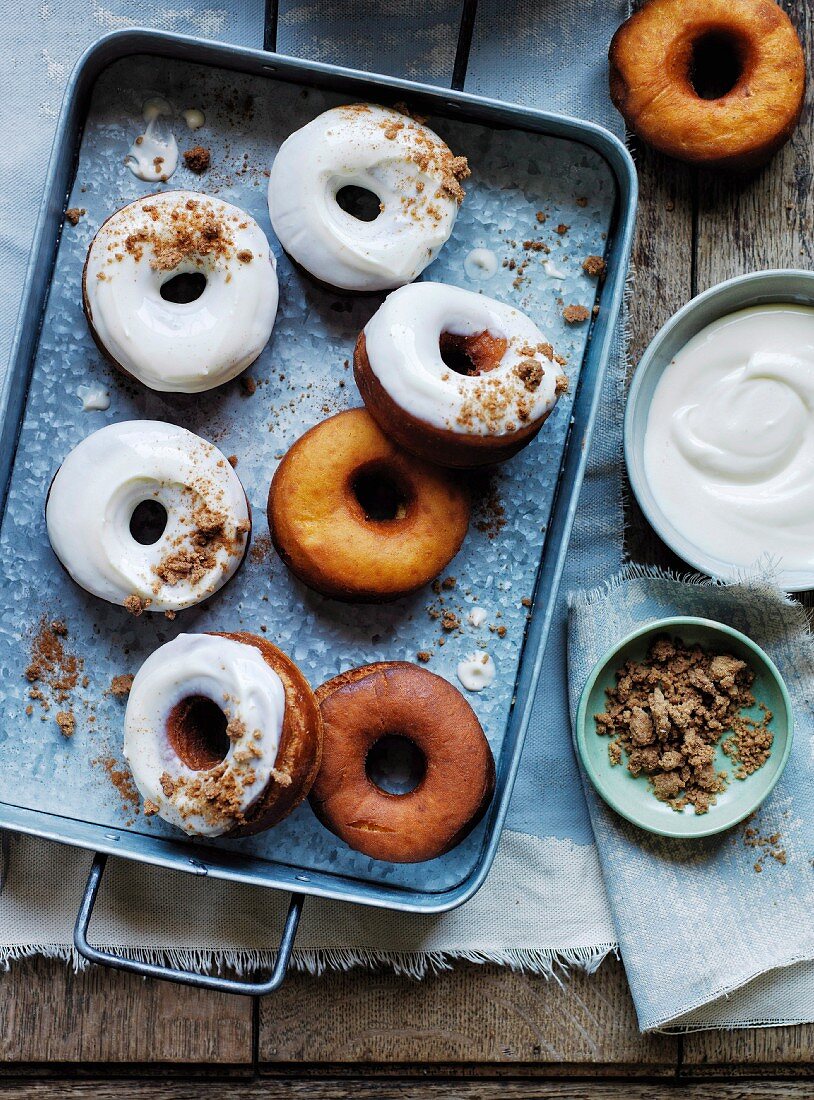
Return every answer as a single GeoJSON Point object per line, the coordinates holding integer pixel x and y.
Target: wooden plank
{"type": "Point", "coordinates": [662, 284]}
{"type": "Point", "coordinates": [765, 221]}
{"type": "Point", "coordinates": [473, 1014]}
{"type": "Point", "coordinates": [50, 1014]}
{"type": "Point", "coordinates": [355, 1088]}
{"type": "Point", "coordinates": [744, 1051]}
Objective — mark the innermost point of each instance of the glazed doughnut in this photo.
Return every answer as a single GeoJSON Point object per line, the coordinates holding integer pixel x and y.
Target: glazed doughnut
{"type": "Point", "coordinates": [180, 240]}
{"type": "Point", "coordinates": [718, 83]}
{"type": "Point", "coordinates": [222, 734]}
{"type": "Point", "coordinates": [455, 377]}
{"type": "Point", "coordinates": [356, 518]}
{"type": "Point", "coordinates": [110, 497]}
{"type": "Point", "coordinates": [360, 708]}
{"type": "Point", "coordinates": [403, 163]}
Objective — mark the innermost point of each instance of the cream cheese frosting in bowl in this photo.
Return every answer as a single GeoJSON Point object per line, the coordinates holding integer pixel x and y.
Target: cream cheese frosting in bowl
{"type": "Point", "coordinates": [180, 291]}
{"type": "Point", "coordinates": [719, 429]}
{"type": "Point", "coordinates": [409, 169]}
{"type": "Point", "coordinates": [202, 730]}
{"type": "Point", "coordinates": [103, 488]}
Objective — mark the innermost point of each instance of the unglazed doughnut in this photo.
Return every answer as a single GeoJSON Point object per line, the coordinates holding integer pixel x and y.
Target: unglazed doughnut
{"type": "Point", "coordinates": [407, 166]}
{"type": "Point", "coordinates": [357, 518]}
{"type": "Point", "coordinates": [719, 83]}
{"type": "Point", "coordinates": [170, 345]}
{"type": "Point", "coordinates": [98, 492]}
{"type": "Point", "coordinates": [222, 734]}
{"type": "Point", "coordinates": [360, 708]}
{"type": "Point", "coordinates": [409, 366]}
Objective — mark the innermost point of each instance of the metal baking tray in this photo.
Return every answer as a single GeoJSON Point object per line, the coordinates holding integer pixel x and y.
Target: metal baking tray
{"type": "Point", "coordinates": [523, 161]}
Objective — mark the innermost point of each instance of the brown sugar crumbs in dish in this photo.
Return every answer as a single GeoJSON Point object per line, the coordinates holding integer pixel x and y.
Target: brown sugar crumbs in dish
{"type": "Point", "coordinates": [668, 712]}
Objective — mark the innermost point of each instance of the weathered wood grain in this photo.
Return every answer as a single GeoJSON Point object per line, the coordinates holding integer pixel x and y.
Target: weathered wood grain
{"type": "Point", "coordinates": [662, 283]}
{"type": "Point", "coordinates": [50, 1014]}
{"type": "Point", "coordinates": [766, 220]}
{"type": "Point", "coordinates": [474, 1014]}
{"type": "Point", "coordinates": [356, 1088]}
{"type": "Point", "coordinates": [771, 1049]}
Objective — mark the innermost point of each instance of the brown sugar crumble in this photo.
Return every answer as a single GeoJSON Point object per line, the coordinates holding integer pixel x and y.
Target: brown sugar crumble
{"type": "Point", "coordinates": [764, 845]}
{"type": "Point", "coordinates": [52, 671]}
{"type": "Point", "coordinates": [248, 385]}
{"type": "Point", "coordinates": [66, 723]}
{"type": "Point", "coordinates": [668, 712]}
{"type": "Point", "coordinates": [195, 553]}
{"type": "Point", "coordinates": [424, 656]}
{"type": "Point", "coordinates": [74, 213]}
{"type": "Point", "coordinates": [197, 159]}
{"type": "Point", "coordinates": [575, 315]}
{"type": "Point", "coordinates": [594, 266]}
{"type": "Point", "coordinates": [136, 605]}
{"type": "Point", "coordinates": [120, 686]}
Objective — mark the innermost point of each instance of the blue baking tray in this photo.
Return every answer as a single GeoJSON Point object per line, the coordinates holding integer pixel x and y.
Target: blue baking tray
{"type": "Point", "coordinates": [524, 161]}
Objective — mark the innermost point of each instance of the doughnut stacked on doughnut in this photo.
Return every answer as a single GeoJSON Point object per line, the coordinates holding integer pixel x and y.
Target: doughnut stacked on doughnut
{"type": "Point", "coordinates": [174, 342]}
{"type": "Point", "coordinates": [409, 169]}
{"type": "Point", "coordinates": [94, 497]}
{"type": "Point", "coordinates": [455, 377]}
{"type": "Point", "coordinates": [222, 733]}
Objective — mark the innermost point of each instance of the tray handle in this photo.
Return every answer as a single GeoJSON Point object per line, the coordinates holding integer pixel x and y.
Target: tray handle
{"type": "Point", "coordinates": [170, 973]}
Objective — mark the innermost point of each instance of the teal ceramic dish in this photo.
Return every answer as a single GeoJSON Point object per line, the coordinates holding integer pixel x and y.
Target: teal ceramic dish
{"type": "Point", "coordinates": [632, 797]}
{"type": "Point", "coordinates": [759, 288]}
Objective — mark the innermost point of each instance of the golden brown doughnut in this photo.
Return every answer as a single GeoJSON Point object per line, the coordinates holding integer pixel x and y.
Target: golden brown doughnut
{"type": "Point", "coordinates": [662, 57]}
{"type": "Point", "coordinates": [358, 519]}
{"type": "Point", "coordinates": [362, 706]}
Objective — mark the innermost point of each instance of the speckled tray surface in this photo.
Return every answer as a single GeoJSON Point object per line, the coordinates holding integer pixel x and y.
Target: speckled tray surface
{"type": "Point", "coordinates": [301, 377]}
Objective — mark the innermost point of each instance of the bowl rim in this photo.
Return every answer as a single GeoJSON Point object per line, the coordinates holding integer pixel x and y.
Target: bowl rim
{"type": "Point", "coordinates": [656, 626]}
{"type": "Point", "coordinates": [682, 546]}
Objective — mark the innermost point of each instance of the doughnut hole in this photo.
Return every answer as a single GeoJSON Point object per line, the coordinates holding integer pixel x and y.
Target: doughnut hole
{"type": "Point", "coordinates": [717, 63]}
{"type": "Point", "coordinates": [395, 764]}
{"type": "Point", "coordinates": [380, 493]}
{"type": "Point", "coordinates": [196, 731]}
{"type": "Point", "coordinates": [360, 203]}
{"type": "Point", "coordinates": [184, 288]}
{"type": "Point", "coordinates": [148, 521]}
{"type": "Point", "coordinates": [472, 355]}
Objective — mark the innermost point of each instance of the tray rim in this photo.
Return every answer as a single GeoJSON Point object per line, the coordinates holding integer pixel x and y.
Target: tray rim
{"type": "Point", "coordinates": [117, 45]}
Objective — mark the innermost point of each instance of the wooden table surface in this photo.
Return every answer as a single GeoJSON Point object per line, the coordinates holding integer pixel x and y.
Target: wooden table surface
{"type": "Point", "coordinates": [476, 1032]}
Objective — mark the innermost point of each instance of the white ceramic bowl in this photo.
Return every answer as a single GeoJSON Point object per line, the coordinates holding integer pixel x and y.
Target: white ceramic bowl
{"type": "Point", "coordinates": [760, 288]}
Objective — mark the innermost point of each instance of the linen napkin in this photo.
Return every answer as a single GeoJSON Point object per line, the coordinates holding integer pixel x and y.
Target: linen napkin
{"type": "Point", "coordinates": [705, 937]}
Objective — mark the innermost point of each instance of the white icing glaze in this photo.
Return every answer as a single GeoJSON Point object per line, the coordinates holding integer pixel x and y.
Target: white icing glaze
{"type": "Point", "coordinates": [477, 617]}
{"type": "Point", "coordinates": [156, 106]}
{"type": "Point", "coordinates": [402, 341]}
{"type": "Point", "coordinates": [233, 675]}
{"type": "Point", "coordinates": [480, 264]}
{"type": "Point", "coordinates": [103, 480]}
{"type": "Point", "coordinates": [402, 162]}
{"type": "Point", "coordinates": [554, 272]}
{"type": "Point", "coordinates": [181, 347]}
{"type": "Point", "coordinates": [729, 442]}
{"type": "Point", "coordinates": [93, 398]}
{"type": "Point", "coordinates": [477, 671]}
{"type": "Point", "coordinates": [194, 118]}
{"type": "Point", "coordinates": [153, 156]}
